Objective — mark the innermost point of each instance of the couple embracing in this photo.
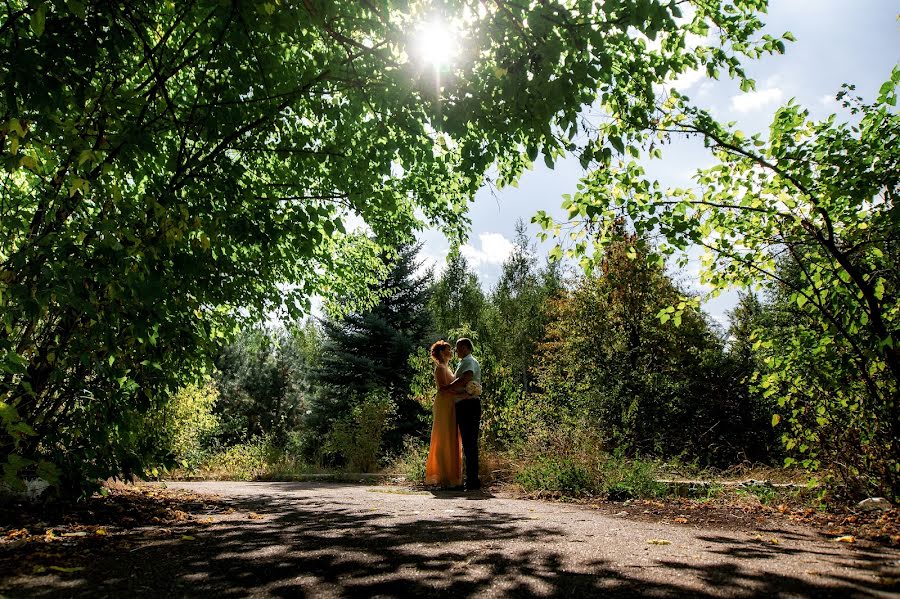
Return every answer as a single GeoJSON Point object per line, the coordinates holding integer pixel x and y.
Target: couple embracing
{"type": "Point", "coordinates": [457, 416]}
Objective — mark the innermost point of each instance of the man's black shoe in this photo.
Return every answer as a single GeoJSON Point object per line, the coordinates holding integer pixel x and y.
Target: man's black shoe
{"type": "Point", "coordinates": [473, 486]}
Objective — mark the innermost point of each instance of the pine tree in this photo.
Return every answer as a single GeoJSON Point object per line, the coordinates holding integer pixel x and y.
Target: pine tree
{"type": "Point", "coordinates": [366, 351]}
{"type": "Point", "coordinates": [457, 302]}
{"type": "Point", "coordinates": [519, 302]}
{"type": "Point", "coordinates": [259, 381]}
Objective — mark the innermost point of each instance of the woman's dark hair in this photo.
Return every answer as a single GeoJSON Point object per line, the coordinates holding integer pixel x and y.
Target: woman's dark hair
{"type": "Point", "coordinates": [438, 348]}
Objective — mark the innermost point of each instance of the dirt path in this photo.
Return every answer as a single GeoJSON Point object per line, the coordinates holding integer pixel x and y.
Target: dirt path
{"type": "Point", "coordinates": [344, 540]}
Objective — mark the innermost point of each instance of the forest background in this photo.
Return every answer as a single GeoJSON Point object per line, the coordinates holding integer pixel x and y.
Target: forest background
{"type": "Point", "coordinates": [174, 173]}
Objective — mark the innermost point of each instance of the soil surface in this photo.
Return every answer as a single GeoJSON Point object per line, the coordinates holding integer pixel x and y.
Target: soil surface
{"type": "Point", "coordinates": [233, 539]}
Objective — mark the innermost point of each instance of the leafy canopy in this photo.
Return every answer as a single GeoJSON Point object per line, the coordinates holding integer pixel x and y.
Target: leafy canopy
{"type": "Point", "coordinates": [169, 167]}
{"type": "Point", "coordinates": [810, 212]}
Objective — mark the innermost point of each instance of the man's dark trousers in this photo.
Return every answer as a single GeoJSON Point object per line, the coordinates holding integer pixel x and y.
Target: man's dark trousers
{"type": "Point", "coordinates": [468, 419]}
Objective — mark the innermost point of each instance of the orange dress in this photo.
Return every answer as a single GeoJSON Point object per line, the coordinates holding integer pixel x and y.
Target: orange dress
{"type": "Point", "coordinates": [444, 465]}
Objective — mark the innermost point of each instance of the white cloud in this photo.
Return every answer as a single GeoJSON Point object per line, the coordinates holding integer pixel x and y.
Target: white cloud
{"type": "Point", "coordinates": [693, 40]}
{"type": "Point", "coordinates": [495, 249]}
{"type": "Point", "coordinates": [773, 80]}
{"type": "Point", "coordinates": [705, 89]}
{"type": "Point", "coordinates": [828, 101]}
{"type": "Point", "coordinates": [755, 100]}
{"type": "Point", "coordinates": [687, 79]}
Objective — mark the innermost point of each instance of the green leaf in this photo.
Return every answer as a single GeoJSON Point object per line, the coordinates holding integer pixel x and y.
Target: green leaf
{"type": "Point", "coordinates": [617, 144]}
{"type": "Point", "coordinates": [77, 8]}
{"type": "Point", "coordinates": [38, 19]}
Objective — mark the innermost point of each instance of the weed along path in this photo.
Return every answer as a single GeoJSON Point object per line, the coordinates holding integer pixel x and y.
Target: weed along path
{"type": "Point", "coordinates": [350, 540]}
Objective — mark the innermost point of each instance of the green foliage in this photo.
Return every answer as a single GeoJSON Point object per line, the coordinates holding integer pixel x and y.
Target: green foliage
{"type": "Point", "coordinates": [555, 474]}
{"type": "Point", "coordinates": [457, 301]}
{"type": "Point", "coordinates": [261, 384]}
{"type": "Point", "coordinates": [628, 479]}
{"type": "Point", "coordinates": [367, 351]}
{"type": "Point", "coordinates": [189, 423]}
{"type": "Point", "coordinates": [411, 460]}
{"type": "Point", "coordinates": [243, 461]}
{"type": "Point", "coordinates": [519, 302]}
{"type": "Point", "coordinates": [421, 386]}
{"type": "Point", "coordinates": [518, 316]}
{"type": "Point", "coordinates": [261, 458]}
{"type": "Point", "coordinates": [357, 437]}
{"type": "Point", "coordinates": [171, 168]}
{"type": "Point", "coordinates": [591, 474]}
{"type": "Point", "coordinates": [809, 212]}
{"type": "Point", "coordinates": [831, 421]}
{"type": "Point", "coordinates": [647, 387]}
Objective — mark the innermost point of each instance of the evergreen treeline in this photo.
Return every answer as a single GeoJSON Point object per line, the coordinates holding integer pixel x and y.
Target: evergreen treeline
{"type": "Point", "coordinates": [569, 361]}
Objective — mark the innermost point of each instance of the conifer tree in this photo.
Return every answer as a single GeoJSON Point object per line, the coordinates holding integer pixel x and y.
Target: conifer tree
{"type": "Point", "coordinates": [519, 306]}
{"type": "Point", "coordinates": [366, 351]}
{"type": "Point", "coordinates": [457, 302]}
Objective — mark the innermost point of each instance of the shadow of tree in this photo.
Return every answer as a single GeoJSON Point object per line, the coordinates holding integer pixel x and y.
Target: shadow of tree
{"type": "Point", "coordinates": [308, 546]}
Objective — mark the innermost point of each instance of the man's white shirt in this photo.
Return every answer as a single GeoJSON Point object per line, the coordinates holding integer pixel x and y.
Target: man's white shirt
{"type": "Point", "coordinates": [469, 363]}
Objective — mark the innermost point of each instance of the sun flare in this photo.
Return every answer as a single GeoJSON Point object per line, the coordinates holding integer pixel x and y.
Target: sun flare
{"type": "Point", "coordinates": [436, 43]}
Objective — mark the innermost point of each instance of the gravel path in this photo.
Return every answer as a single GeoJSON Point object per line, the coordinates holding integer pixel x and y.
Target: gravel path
{"type": "Point", "coordinates": [345, 540]}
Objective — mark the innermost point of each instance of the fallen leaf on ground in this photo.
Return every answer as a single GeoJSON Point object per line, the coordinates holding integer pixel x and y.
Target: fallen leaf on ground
{"type": "Point", "coordinates": [659, 542]}
{"type": "Point", "coordinates": [80, 533]}
{"type": "Point", "coordinates": [845, 539]}
{"type": "Point", "coordinates": [681, 520]}
{"type": "Point", "coordinates": [187, 538]}
{"type": "Point", "coordinates": [17, 534]}
{"type": "Point", "coordinates": [100, 531]}
{"type": "Point", "coordinates": [255, 516]}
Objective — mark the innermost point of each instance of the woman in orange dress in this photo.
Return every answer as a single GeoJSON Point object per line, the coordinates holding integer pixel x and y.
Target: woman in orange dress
{"type": "Point", "coordinates": [444, 465]}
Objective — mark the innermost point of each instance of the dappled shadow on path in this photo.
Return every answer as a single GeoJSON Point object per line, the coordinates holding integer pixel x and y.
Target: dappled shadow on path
{"type": "Point", "coordinates": [299, 546]}
{"type": "Point", "coordinates": [482, 495]}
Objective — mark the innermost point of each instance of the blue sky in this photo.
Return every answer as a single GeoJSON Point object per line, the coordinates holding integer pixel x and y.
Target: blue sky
{"type": "Point", "coordinates": [854, 41]}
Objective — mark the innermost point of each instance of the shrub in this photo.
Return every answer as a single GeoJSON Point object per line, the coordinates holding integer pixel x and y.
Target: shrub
{"type": "Point", "coordinates": [189, 422]}
{"type": "Point", "coordinates": [556, 474]}
{"type": "Point", "coordinates": [356, 438]}
{"type": "Point", "coordinates": [627, 479]}
{"type": "Point", "coordinates": [245, 461]}
{"type": "Point", "coordinates": [411, 461]}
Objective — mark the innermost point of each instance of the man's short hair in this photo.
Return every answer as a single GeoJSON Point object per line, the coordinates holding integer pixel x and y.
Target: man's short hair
{"type": "Point", "coordinates": [467, 342]}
